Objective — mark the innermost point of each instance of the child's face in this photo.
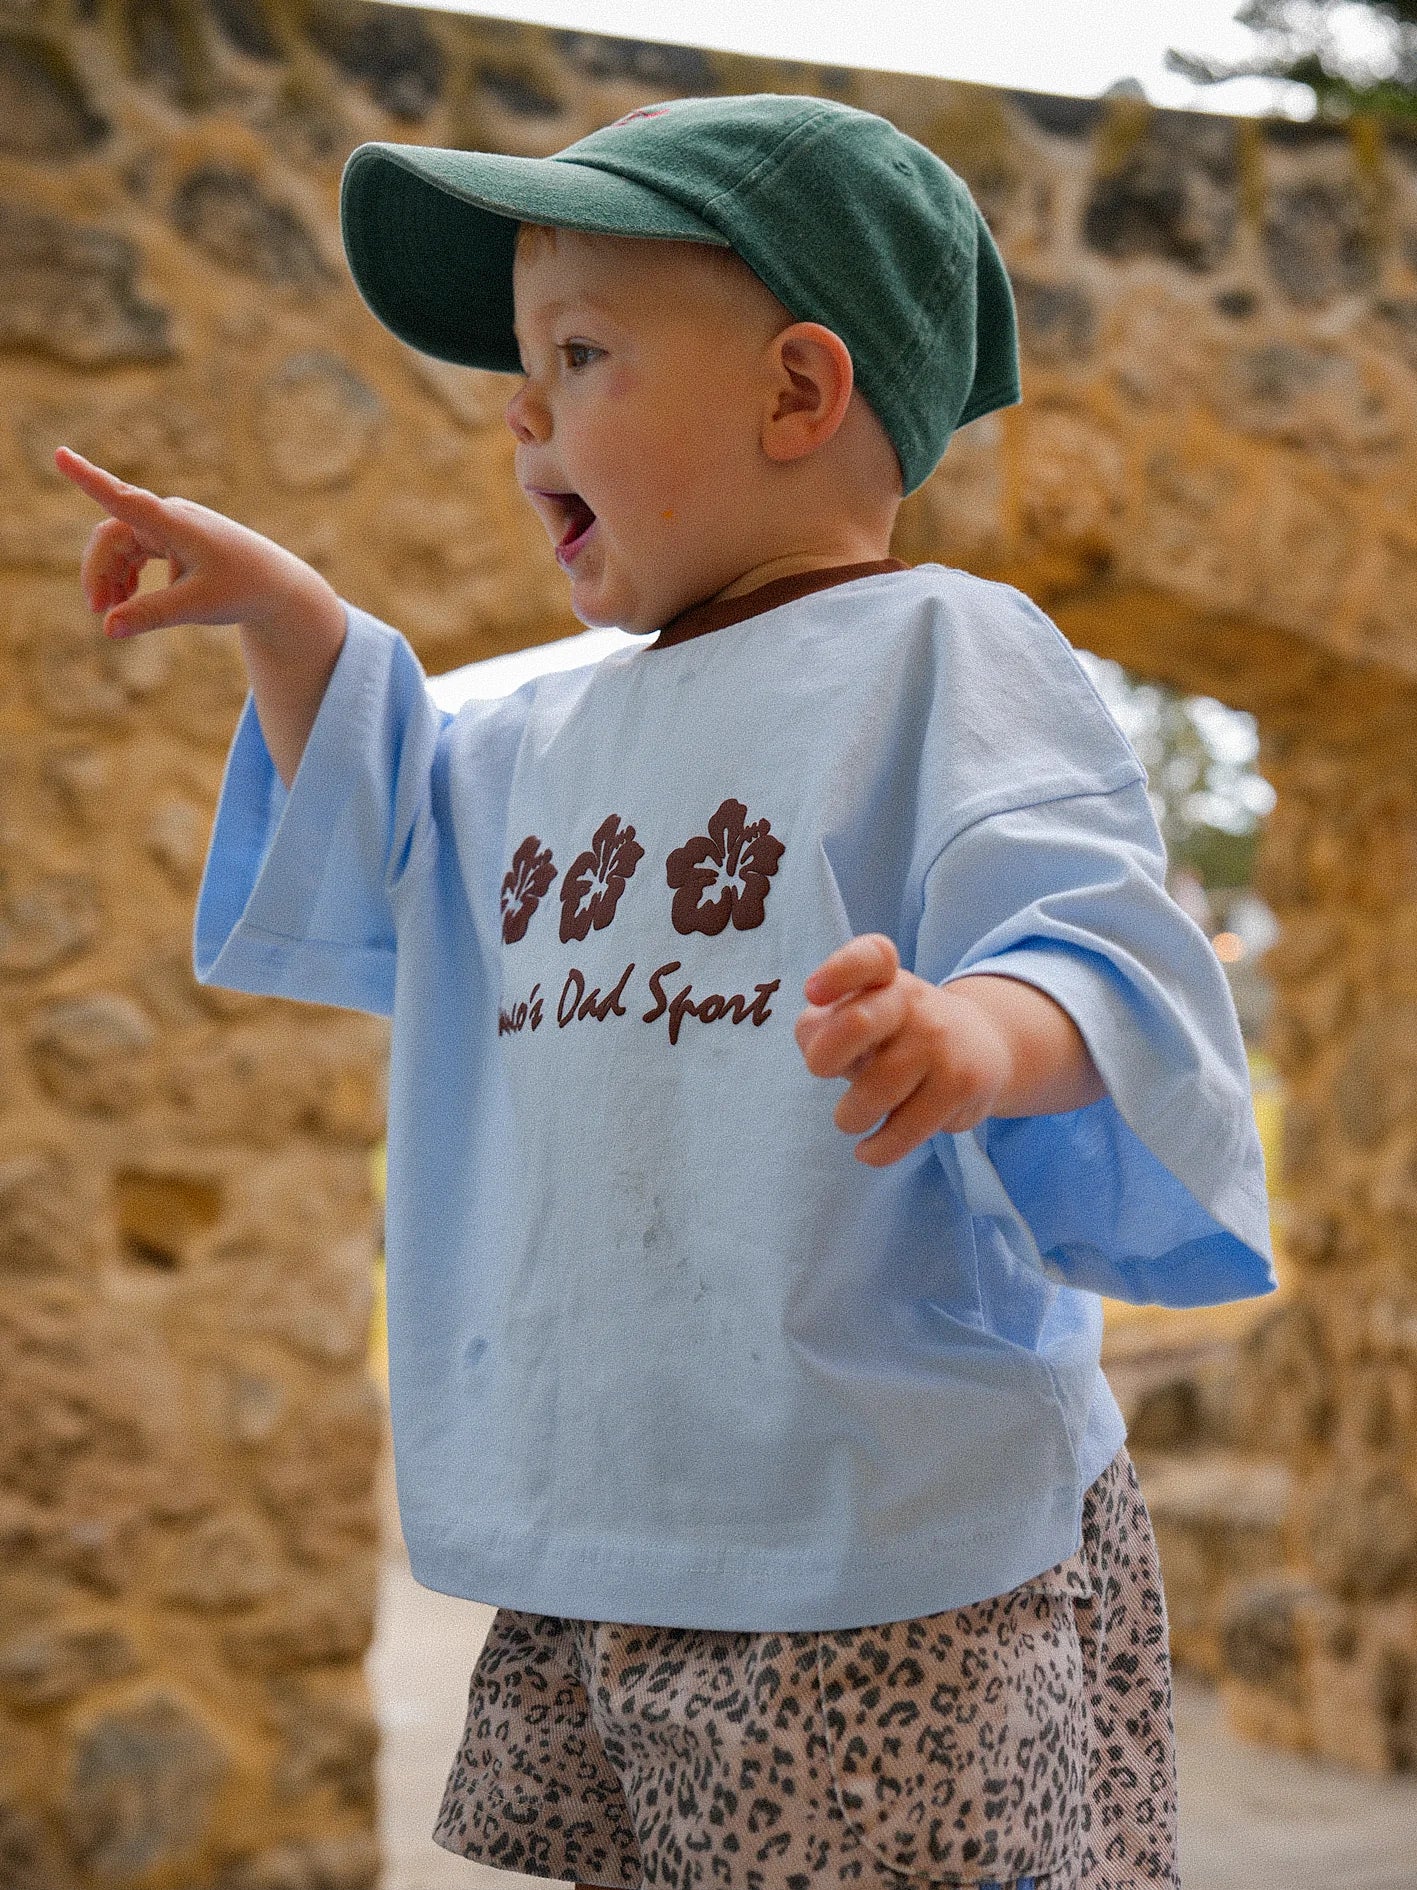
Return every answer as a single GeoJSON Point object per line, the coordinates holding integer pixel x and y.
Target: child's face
{"type": "Point", "coordinates": [638, 422]}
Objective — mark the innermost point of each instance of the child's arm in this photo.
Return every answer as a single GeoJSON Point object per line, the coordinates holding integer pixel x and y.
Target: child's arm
{"type": "Point", "coordinates": [932, 1057]}
{"type": "Point", "coordinates": [291, 621]}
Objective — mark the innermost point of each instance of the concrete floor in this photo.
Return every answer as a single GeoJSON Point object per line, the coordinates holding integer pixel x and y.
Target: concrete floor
{"type": "Point", "coordinates": [1251, 1819]}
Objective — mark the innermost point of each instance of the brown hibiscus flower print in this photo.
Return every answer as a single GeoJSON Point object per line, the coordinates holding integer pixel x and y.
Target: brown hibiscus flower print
{"type": "Point", "coordinates": [724, 874]}
{"type": "Point", "coordinates": [522, 889]}
{"type": "Point", "coordinates": [596, 878]}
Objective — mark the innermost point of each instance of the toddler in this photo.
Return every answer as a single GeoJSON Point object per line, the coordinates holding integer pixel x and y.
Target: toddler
{"type": "Point", "coordinates": [744, 1353]}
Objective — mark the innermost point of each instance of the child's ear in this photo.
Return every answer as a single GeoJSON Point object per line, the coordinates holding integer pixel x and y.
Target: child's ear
{"type": "Point", "coordinates": [811, 378]}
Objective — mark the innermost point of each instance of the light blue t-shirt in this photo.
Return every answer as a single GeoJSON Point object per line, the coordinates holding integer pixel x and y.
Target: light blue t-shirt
{"type": "Point", "coordinates": [661, 1349]}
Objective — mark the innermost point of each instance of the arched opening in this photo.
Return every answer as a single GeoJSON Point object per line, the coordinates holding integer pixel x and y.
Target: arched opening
{"type": "Point", "coordinates": [1278, 1515]}
{"type": "Point", "coordinates": [1218, 1508]}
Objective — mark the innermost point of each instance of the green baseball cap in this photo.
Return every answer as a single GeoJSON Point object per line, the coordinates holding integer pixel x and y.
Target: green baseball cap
{"type": "Point", "coordinates": [849, 222]}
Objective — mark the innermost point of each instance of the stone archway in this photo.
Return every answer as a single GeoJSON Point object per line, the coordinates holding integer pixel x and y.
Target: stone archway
{"type": "Point", "coordinates": [1210, 480]}
{"type": "Point", "coordinates": [1310, 1627]}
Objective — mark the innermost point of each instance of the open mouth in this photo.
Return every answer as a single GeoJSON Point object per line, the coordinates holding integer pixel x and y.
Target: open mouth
{"type": "Point", "coordinates": [577, 522]}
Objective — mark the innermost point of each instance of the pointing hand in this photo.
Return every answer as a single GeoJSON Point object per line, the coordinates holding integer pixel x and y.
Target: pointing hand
{"type": "Point", "coordinates": [218, 571]}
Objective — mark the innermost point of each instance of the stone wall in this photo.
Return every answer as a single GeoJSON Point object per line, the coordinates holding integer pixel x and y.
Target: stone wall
{"type": "Point", "coordinates": [1211, 480]}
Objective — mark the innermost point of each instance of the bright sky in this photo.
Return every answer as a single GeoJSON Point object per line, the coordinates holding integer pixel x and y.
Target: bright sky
{"type": "Point", "coordinates": [1074, 46]}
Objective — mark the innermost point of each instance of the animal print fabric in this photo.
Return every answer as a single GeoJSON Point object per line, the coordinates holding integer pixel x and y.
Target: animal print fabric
{"type": "Point", "coordinates": [1022, 1743]}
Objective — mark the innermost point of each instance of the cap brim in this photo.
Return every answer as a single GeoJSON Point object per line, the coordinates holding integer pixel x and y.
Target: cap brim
{"type": "Point", "coordinates": [430, 235]}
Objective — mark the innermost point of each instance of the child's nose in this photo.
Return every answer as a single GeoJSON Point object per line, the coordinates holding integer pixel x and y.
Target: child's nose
{"type": "Point", "coordinates": [527, 416]}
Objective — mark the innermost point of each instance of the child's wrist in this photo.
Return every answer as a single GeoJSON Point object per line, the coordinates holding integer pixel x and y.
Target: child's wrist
{"type": "Point", "coordinates": [1049, 1068]}
{"type": "Point", "coordinates": [978, 1041]}
{"type": "Point", "coordinates": [304, 615]}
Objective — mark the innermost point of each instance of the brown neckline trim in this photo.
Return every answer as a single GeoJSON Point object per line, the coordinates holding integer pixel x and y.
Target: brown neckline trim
{"type": "Point", "coordinates": [699, 619]}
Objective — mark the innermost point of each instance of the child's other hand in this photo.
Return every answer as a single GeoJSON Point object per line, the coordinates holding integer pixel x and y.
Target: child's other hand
{"type": "Point", "coordinates": [218, 571]}
{"type": "Point", "coordinates": [922, 1056]}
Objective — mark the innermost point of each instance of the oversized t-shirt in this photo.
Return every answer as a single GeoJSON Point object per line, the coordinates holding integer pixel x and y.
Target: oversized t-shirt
{"type": "Point", "coordinates": [661, 1349]}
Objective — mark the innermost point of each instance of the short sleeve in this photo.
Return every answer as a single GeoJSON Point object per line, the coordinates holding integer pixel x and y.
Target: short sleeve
{"type": "Point", "coordinates": [296, 896]}
{"type": "Point", "coordinates": [1156, 1193]}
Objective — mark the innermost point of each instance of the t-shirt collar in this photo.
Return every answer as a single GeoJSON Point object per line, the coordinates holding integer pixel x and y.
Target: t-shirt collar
{"type": "Point", "coordinates": [716, 614]}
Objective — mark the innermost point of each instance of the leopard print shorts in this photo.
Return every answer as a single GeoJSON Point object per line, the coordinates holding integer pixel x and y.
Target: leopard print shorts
{"type": "Point", "coordinates": [1023, 1743]}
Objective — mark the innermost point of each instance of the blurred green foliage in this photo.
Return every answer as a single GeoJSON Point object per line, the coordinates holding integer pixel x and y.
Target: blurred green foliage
{"type": "Point", "coordinates": [1355, 56]}
{"type": "Point", "coordinates": [1200, 758]}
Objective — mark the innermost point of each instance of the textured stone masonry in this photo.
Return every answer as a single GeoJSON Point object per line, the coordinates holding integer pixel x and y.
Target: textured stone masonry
{"type": "Point", "coordinates": [1211, 479]}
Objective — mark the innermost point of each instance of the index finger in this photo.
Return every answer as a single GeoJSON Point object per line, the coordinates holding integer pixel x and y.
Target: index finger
{"type": "Point", "coordinates": [859, 965]}
{"type": "Point", "coordinates": [137, 507]}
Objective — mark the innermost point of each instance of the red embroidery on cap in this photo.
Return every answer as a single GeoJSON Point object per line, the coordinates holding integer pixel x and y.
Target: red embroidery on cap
{"type": "Point", "coordinates": [733, 861]}
{"type": "Point", "coordinates": [630, 117]}
{"type": "Point", "coordinates": [531, 876]}
{"type": "Point", "coordinates": [598, 877]}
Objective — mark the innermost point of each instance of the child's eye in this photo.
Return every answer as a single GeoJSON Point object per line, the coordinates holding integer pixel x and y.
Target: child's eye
{"type": "Point", "coordinates": [579, 354]}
